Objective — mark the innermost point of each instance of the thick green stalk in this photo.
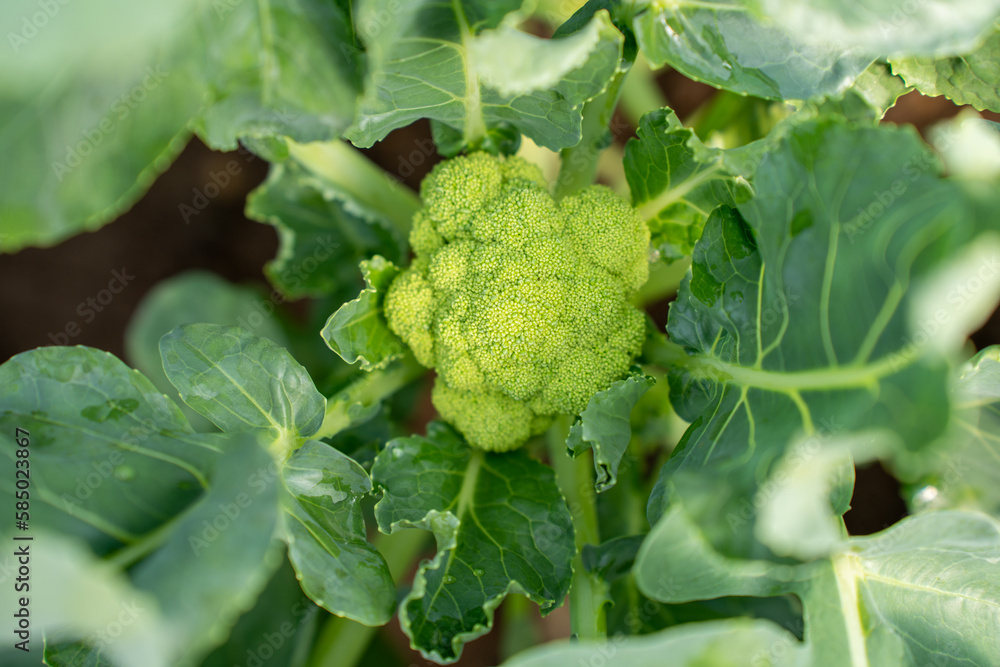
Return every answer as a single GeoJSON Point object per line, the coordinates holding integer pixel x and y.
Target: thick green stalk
{"type": "Point", "coordinates": [664, 280]}
{"type": "Point", "coordinates": [579, 162]}
{"type": "Point", "coordinates": [520, 632]}
{"type": "Point", "coordinates": [588, 593]}
{"type": "Point", "coordinates": [342, 642]}
{"type": "Point", "coordinates": [348, 170]}
{"type": "Point", "coordinates": [374, 386]}
{"type": "Point", "coordinates": [641, 93]}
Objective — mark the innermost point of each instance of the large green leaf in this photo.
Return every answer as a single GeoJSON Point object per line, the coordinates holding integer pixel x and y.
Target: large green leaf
{"type": "Point", "coordinates": [93, 106]}
{"type": "Point", "coordinates": [963, 469]}
{"type": "Point", "coordinates": [872, 94]}
{"type": "Point", "coordinates": [501, 525]}
{"type": "Point", "coordinates": [278, 68]}
{"type": "Point", "coordinates": [814, 333]}
{"type": "Point", "coordinates": [241, 381]}
{"type": "Point", "coordinates": [454, 63]}
{"type": "Point", "coordinates": [604, 426]}
{"type": "Point", "coordinates": [798, 515]}
{"type": "Point", "coordinates": [726, 45]}
{"type": "Point", "coordinates": [183, 599]}
{"type": "Point", "coordinates": [112, 458]}
{"type": "Point", "coordinates": [358, 330]}
{"type": "Point", "coordinates": [859, 604]}
{"type": "Point", "coordinates": [77, 601]}
{"type": "Point", "coordinates": [735, 643]}
{"type": "Point", "coordinates": [190, 298]}
{"type": "Point", "coordinates": [970, 78]}
{"type": "Point", "coordinates": [332, 208]}
{"type": "Point", "coordinates": [799, 317]}
{"type": "Point", "coordinates": [325, 532]}
{"type": "Point", "coordinates": [887, 27]}
{"type": "Point", "coordinates": [219, 555]}
{"type": "Point", "coordinates": [676, 182]}
{"type": "Point", "coordinates": [278, 631]}
{"type": "Point", "coordinates": [96, 100]}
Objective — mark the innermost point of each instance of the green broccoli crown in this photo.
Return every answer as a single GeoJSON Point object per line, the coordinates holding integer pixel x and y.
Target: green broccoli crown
{"type": "Point", "coordinates": [522, 304]}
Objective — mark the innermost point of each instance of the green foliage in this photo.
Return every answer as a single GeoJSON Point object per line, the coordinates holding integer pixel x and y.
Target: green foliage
{"type": "Point", "coordinates": [338, 568]}
{"type": "Point", "coordinates": [833, 271]}
{"type": "Point", "coordinates": [604, 426]}
{"type": "Point", "coordinates": [331, 209]}
{"type": "Point", "coordinates": [966, 79]}
{"type": "Point", "coordinates": [241, 381]}
{"type": "Point", "coordinates": [500, 523]}
{"type": "Point", "coordinates": [676, 182]}
{"type": "Point", "coordinates": [729, 47]}
{"type": "Point", "coordinates": [468, 63]}
{"type": "Point", "coordinates": [859, 602]}
{"type": "Point", "coordinates": [358, 329]}
{"type": "Point", "coordinates": [86, 410]}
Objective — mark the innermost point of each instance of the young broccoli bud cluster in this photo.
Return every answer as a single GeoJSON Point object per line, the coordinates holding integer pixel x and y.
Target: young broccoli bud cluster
{"type": "Point", "coordinates": [521, 303]}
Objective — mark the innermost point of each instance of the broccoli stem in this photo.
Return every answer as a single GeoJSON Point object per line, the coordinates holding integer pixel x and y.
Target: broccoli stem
{"type": "Point", "coordinates": [343, 642]}
{"type": "Point", "coordinates": [348, 170]}
{"type": "Point", "coordinates": [372, 387]}
{"type": "Point", "coordinates": [579, 162]}
{"type": "Point", "coordinates": [588, 593]}
{"type": "Point", "coordinates": [664, 280]}
{"type": "Point", "coordinates": [641, 93]}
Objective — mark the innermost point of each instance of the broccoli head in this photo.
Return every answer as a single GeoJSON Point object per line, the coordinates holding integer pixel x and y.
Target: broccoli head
{"type": "Point", "coordinates": [521, 303]}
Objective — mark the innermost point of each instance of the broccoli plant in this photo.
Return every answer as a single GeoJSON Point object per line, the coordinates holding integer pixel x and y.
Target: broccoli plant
{"type": "Point", "coordinates": [521, 304]}
{"type": "Point", "coordinates": [489, 412]}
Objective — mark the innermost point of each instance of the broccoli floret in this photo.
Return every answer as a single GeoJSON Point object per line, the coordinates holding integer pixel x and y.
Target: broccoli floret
{"type": "Point", "coordinates": [522, 304]}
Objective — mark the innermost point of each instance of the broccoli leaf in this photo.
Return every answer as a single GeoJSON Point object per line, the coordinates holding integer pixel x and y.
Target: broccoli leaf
{"type": "Point", "coordinates": [98, 101]}
{"type": "Point", "coordinates": [728, 643]}
{"type": "Point", "coordinates": [676, 182]}
{"type": "Point", "coordinates": [872, 94]}
{"type": "Point", "coordinates": [358, 330]}
{"type": "Point", "coordinates": [332, 208]}
{"type": "Point", "coordinates": [501, 525]}
{"type": "Point", "coordinates": [604, 426]}
{"type": "Point", "coordinates": [220, 555]}
{"type": "Point", "coordinates": [798, 515]}
{"type": "Point", "coordinates": [859, 602]}
{"type": "Point", "coordinates": [112, 458]}
{"type": "Point", "coordinates": [278, 68]}
{"type": "Point", "coordinates": [727, 46]}
{"type": "Point", "coordinates": [91, 112]}
{"type": "Point", "coordinates": [970, 78]}
{"type": "Point", "coordinates": [283, 620]}
{"type": "Point", "coordinates": [188, 298]}
{"type": "Point", "coordinates": [802, 317]}
{"type": "Point", "coordinates": [471, 72]}
{"type": "Point", "coordinates": [886, 27]}
{"type": "Point", "coordinates": [241, 381]}
{"type": "Point", "coordinates": [961, 470]}
{"type": "Point", "coordinates": [182, 600]}
{"type": "Point", "coordinates": [612, 559]}
{"type": "Point", "coordinates": [325, 532]}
